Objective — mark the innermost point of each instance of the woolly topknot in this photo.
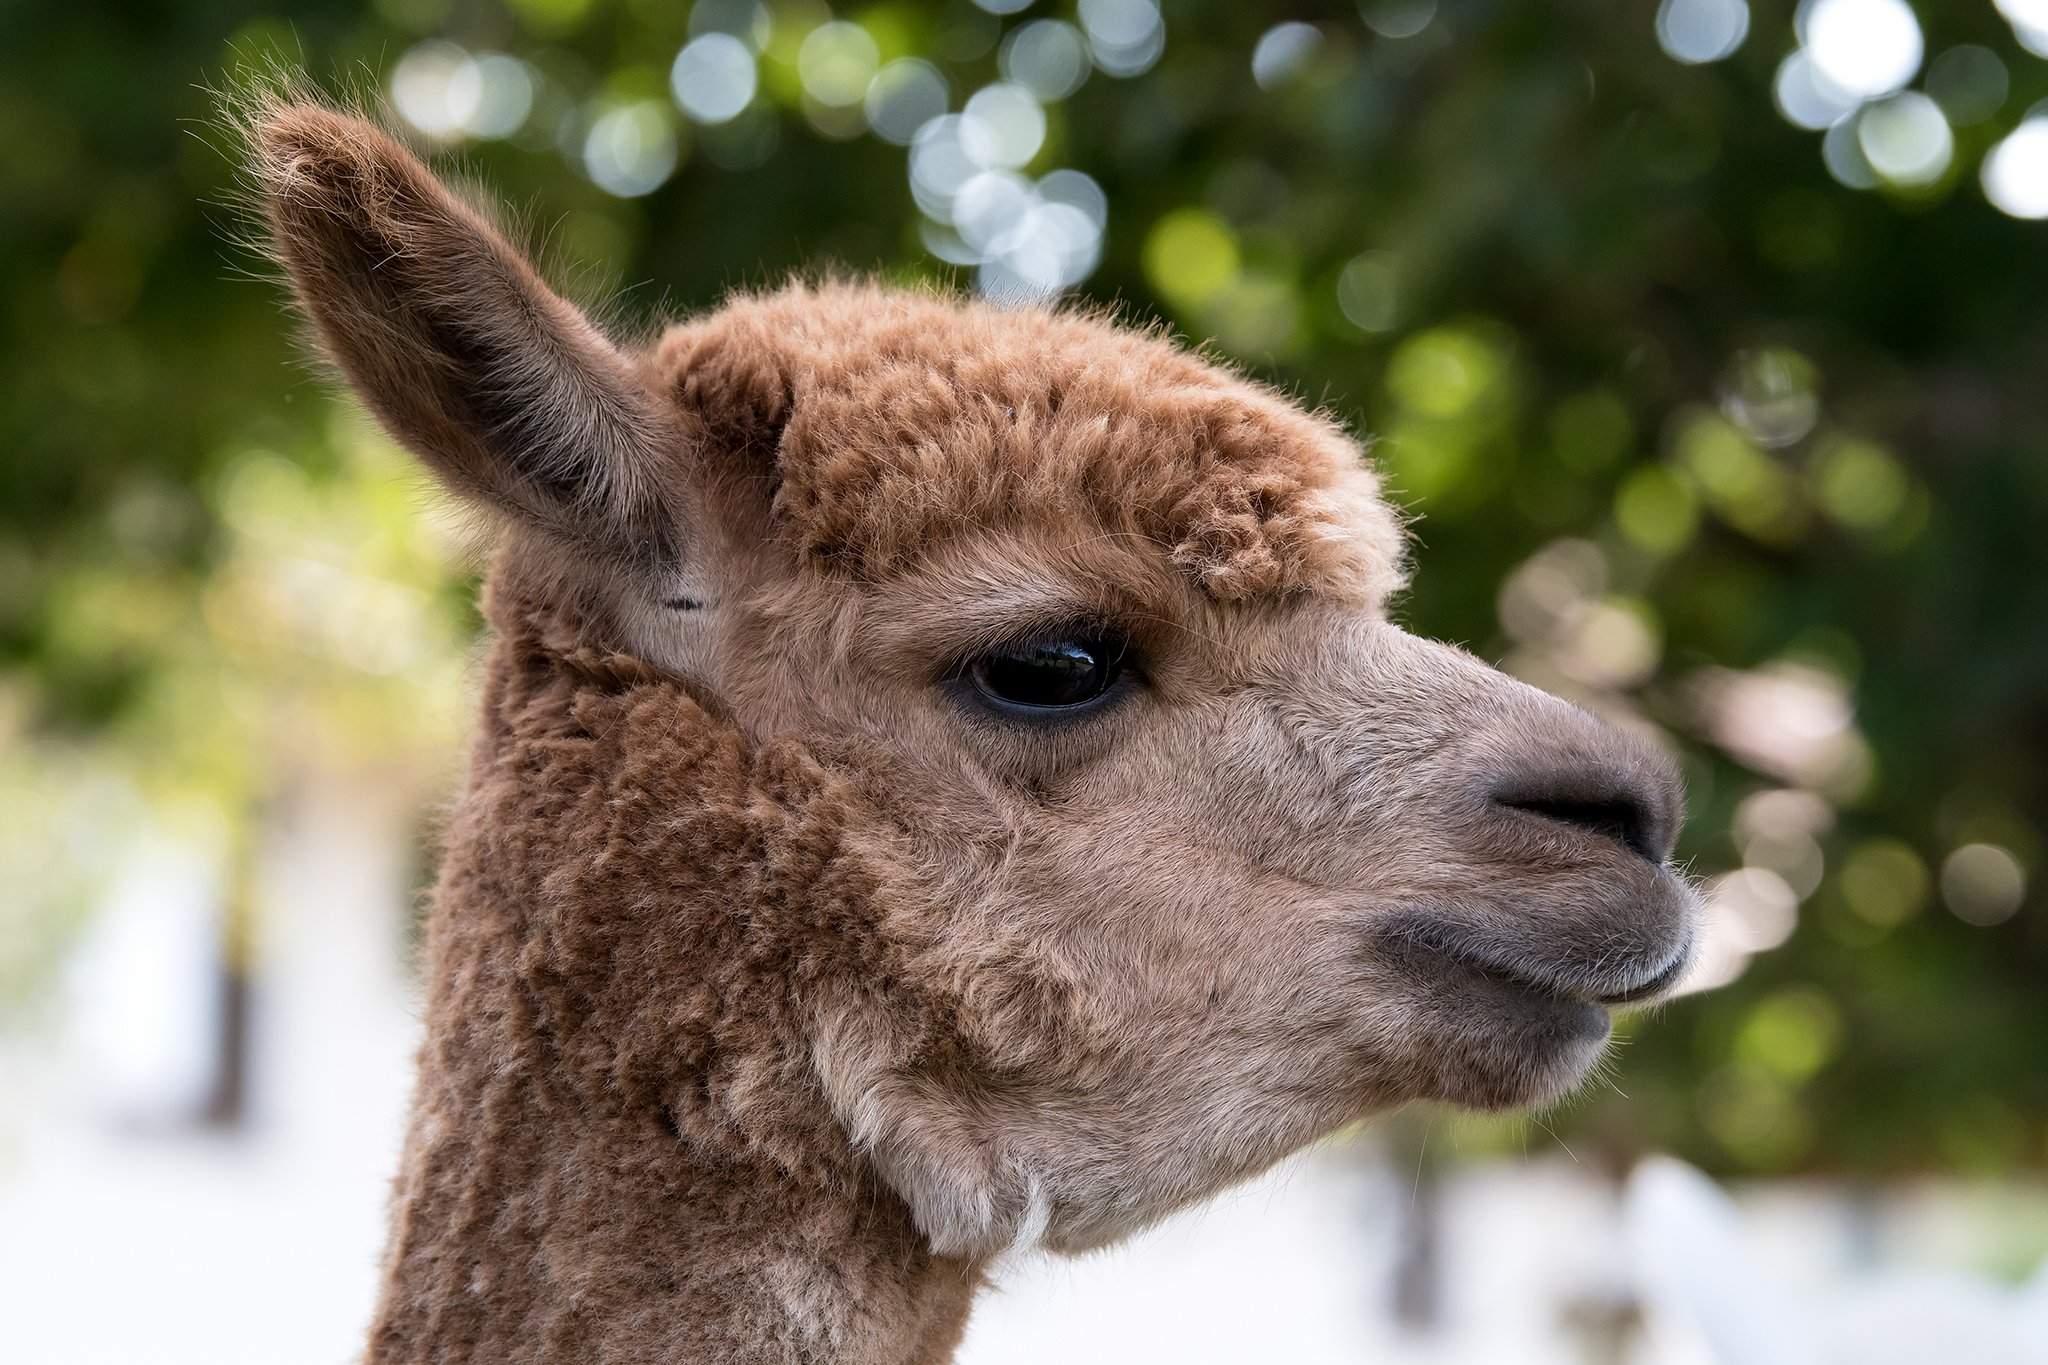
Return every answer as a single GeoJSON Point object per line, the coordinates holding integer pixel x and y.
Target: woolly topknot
{"type": "Point", "coordinates": [898, 418]}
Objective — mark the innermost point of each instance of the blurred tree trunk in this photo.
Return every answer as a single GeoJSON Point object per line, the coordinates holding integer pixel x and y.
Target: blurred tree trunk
{"type": "Point", "coordinates": [226, 1103]}
{"type": "Point", "coordinates": [1417, 1291]}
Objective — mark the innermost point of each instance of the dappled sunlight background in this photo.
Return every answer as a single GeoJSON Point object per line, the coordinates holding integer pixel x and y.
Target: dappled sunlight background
{"type": "Point", "coordinates": [1703, 339]}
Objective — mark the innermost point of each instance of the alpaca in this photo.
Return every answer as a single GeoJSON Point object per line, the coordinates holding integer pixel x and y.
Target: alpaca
{"type": "Point", "coordinates": [946, 783]}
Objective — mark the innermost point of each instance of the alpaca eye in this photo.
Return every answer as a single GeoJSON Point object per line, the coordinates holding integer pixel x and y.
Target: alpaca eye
{"type": "Point", "coordinates": [1049, 675]}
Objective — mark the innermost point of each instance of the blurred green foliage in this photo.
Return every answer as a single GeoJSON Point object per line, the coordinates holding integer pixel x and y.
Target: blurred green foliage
{"type": "Point", "coordinates": [1699, 435]}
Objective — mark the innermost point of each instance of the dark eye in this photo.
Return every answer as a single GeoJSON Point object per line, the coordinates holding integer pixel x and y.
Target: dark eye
{"type": "Point", "coordinates": [1050, 675]}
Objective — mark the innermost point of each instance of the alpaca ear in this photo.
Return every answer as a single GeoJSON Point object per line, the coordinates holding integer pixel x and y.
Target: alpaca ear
{"type": "Point", "coordinates": [507, 391]}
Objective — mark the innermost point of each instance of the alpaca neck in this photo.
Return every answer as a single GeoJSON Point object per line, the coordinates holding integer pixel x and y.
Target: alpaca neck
{"type": "Point", "coordinates": [527, 1230]}
{"type": "Point", "coordinates": [619, 1150]}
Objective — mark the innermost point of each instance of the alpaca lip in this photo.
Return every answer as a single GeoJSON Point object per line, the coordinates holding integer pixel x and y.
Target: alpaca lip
{"type": "Point", "coordinates": [1656, 985]}
{"type": "Point", "coordinates": [1580, 994]}
{"type": "Point", "coordinates": [1518, 982]}
{"type": "Point", "coordinates": [1552, 988]}
{"type": "Point", "coordinates": [1524, 984]}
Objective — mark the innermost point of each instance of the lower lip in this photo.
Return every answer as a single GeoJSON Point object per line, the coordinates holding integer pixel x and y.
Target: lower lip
{"type": "Point", "coordinates": [1586, 1016]}
{"type": "Point", "coordinates": [1542, 990]}
{"type": "Point", "coordinates": [1656, 985]}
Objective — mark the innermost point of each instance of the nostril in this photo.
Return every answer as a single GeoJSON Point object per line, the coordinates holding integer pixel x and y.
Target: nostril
{"type": "Point", "coordinates": [1621, 818]}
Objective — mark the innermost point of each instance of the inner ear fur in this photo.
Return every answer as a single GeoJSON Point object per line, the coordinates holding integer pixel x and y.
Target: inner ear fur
{"type": "Point", "coordinates": [505, 389]}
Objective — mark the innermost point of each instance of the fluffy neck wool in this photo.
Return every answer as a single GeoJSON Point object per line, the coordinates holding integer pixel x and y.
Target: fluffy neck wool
{"type": "Point", "coordinates": [618, 1151]}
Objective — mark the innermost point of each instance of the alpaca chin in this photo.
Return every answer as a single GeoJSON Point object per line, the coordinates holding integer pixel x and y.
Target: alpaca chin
{"type": "Point", "coordinates": [976, 1214]}
{"type": "Point", "coordinates": [987, 1179]}
{"type": "Point", "coordinates": [965, 1201]}
{"type": "Point", "coordinates": [991, 1210]}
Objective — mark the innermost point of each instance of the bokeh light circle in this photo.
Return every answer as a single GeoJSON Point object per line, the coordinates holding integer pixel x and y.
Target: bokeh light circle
{"type": "Point", "coordinates": [1983, 884]}
{"type": "Point", "coordinates": [1906, 139]}
{"type": "Point", "coordinates": [437, 88]}
{"type": "Point", "coordinates": [1867, 48]}
{"type": "Point", "coordinates": [630, 150]}
{"type": "Point", "coordinates": [836, 63]}
{"type": "Point", "coordinates": [1397, 18]}
{"type": "Point", "coordinates": [904, 96]}
{"type": "Point", "coordinates": [1700, 31]}
{"type": "Point", "coordinates": [1002, 125]}
{"type": "Point", "coordinates": [1807, 98]}
{"type": "Point", "coordinates": [1969, 82]}
{"type": "Point", "coordinates": [2015, 173]}
{"type": "Point", "coordinates": [1283, 50]}
{"type": "Point", "coordinates": [714, 77]}
{"type": "Point", "coordinates": [1048, 57]}
{"type": "Point", "coordinates": [1078, 191]}
{"type": "Point", "coordinates": [1125, 37]}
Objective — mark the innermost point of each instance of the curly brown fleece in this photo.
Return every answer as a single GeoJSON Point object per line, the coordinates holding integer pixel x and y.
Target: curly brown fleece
{"type": "Point", "coordinates": [618, 1152]}
{"type": "Point", "coordinates": [903, 418]}
{"type": "Point", "coordinates": [781, 975]}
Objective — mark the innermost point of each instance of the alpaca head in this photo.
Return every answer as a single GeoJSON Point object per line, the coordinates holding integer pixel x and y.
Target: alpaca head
{"type": "Point", "coordinates": [1183, 852]}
